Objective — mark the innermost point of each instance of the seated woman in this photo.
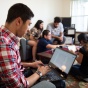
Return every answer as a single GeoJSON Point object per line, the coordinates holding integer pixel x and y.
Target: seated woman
{"type": "Point", "coordinates": [36, 31]}
{"type": "Point", "coordinates": [45, 43]}
{"type": "Point", "coordinates": [31, 43]}
{"type": "Point", "coordinates": [81, 71]}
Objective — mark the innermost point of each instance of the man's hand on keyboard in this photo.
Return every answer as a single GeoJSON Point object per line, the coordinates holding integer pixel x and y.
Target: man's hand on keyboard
{"type": "Point", "coordinates": [44, 69]}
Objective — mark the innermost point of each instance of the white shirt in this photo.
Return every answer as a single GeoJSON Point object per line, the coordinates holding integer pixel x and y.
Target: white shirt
{"type": "Point", "coordinates": [55, 31]}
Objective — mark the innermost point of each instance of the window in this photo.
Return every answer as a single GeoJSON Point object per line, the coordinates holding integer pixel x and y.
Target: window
{"type": "Point", "coordinates": [80, 15]}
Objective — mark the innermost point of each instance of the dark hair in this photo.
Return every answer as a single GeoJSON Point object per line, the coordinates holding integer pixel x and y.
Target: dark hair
{"type": "Point", "coordinates": [45, 32]}
{"type": "Point", "coordinates": [57, 20]}
{"type": "Point", "coordinates": [37, 25]}
{"type": "Point", "coordinates": [19, 10]}
{"type": "Point", "coordinates": [83, 37]}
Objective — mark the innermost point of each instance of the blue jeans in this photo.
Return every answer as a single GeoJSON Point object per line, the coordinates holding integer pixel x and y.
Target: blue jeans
{"type": "Point", "coordinates": [75, 71]}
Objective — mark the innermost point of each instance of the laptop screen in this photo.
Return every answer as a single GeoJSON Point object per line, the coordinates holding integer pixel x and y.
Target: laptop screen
{"type": "Point", "coordinates": [62, 60]}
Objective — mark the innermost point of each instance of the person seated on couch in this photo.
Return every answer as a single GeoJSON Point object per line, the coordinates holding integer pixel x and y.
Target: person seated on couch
{"type": "Point", "coordinates": [33, 44]}
{"type": "Point", "coordinates": [36, 31]}
{"type": "Point", "coordinates": [81, 71]}
{"type": "Point", "coordinates": [45, 43]}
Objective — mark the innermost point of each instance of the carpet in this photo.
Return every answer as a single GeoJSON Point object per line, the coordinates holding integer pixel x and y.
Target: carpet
{"type": "Point", "coordinates": [71, 82]}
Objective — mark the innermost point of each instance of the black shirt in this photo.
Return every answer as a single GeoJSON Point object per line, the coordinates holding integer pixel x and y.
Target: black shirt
{"type": "Point", "coordinates": [84, 64]}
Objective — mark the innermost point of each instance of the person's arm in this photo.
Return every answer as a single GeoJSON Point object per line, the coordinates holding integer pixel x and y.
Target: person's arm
{"type": "Point", "coordinates": [11, 73]}
{"type": "Point", "coordinates": [33, 32]}
{"type": "Point", "coordinates": [50, 46]}
{"type": "Point", "coordinates": [79, 58]}
{"type": "Point", "coordinates": [58, 37]}
{"type": "Point", "coordinates": [32, 64]}
{"type": "Point", "coordinates": [33, 78]}
{"type": "Point", "coordinates": [49, 27]}
{"type": "Point", "coordinates": [61, 36]}
{"type": "Point", "coordinates": [10, 70]}
{"type": "Point", "coordinates": [61, 32]}
{"type": "Point", "coordinates": [32, 37]}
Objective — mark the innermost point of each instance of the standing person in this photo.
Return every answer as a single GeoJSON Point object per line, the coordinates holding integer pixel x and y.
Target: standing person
{"type": "Point", "coordinates": [36, 31]}
{"type": "Point", "coordinates": [57, 30]}
{"type": "Point", "coordinates": [81, 71]}
{"type": "Point", "coordinates": [17, 22]}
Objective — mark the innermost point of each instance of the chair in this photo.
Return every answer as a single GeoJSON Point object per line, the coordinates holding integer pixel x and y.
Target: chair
{"type": "Point", "coordinates": [25, 51]}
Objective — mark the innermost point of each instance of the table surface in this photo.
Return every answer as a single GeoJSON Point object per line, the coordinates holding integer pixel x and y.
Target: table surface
{"type": "Point", "coordinates": [46, 54]}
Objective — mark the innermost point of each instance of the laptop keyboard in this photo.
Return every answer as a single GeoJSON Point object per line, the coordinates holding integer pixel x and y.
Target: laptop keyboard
{"type": "Point", "coordinates": [51, 76]}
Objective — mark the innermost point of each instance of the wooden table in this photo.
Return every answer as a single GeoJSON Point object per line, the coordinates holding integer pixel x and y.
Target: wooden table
{"type": "Point", "coordinates": [44, 56]}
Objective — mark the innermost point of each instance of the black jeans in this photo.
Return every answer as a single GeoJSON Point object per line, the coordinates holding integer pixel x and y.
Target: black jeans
{"type": "Point", "coordinates": [75, 71]}
{"type": "Point", "coordinates": [59, 84]}
{"type": "Point", "coordinates": [27, 72]}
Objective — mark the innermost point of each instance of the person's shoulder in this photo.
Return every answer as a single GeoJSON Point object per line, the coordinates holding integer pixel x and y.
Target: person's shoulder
{"type": "Point", "coordinates": [3, 40]}
{"type": "Point", "coordinates": [42, 40]}
{"type": "Point", "coordinates": [50, 24]}
{"type": "Point", "coordinates": [34, 28]}
{"type": "Point", "coordinates": [60, 24]}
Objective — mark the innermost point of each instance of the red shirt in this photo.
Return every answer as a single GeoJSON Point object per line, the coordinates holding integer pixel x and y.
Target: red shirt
{"type": "Point", "coordinates": [10, 62]}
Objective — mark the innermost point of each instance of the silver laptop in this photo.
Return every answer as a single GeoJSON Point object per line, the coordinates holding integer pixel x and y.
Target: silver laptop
{"type": "Point", "coordinates": [60, 63]}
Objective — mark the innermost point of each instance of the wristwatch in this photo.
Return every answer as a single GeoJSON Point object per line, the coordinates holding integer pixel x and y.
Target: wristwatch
{"type": "Point", "coordinates": [39, 73]}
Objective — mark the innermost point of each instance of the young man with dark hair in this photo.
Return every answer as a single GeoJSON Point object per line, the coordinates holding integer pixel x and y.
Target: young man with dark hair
{"type": "Point", "coordinates": [45, 43]}
{"type": "Point", "coordinates": [18, 19]}
{"type": "Point", "coordinates": [56, 30]}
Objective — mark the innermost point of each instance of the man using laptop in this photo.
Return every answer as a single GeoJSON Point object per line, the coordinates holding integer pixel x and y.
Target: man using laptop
{"type": "Point", "coordinates": [17, 22]}
{"type": "Point", "coordinates": [60, 63]}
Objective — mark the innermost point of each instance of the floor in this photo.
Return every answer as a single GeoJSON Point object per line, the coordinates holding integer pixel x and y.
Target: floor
{"type": "Point", "coordinates": [71, 82]}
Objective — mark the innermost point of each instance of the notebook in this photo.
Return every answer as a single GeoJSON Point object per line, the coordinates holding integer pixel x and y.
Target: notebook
{"type": "Point", "coordinates": [72, 47]}
{"type": "Point", "coordinates": [60, 64]}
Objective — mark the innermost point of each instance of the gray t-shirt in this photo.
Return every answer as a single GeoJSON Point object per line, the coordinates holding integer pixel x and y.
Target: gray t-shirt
{"type": "Point", "coordinates": [55, 31]}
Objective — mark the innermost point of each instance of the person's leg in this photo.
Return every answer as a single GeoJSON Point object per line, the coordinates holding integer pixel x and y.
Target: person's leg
{"type": "Point", "coordinates": [76, 72]}
{"type": "Point", "coordinates": [59, 83]}
{"type": "Point", "coordinates": [64, 39]}
{"type": "Point", "coordinates": [34, 45]}
{"type": "Point", "coordinates": [44, 84]}
{"type": "Point", "coordinates": [56, 41]}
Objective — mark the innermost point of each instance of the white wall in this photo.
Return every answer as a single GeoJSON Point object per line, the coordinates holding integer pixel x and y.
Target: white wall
{"type": "Point", "coordinates": [66, 8]}
{"type": "Point", "coordinates": [45, 10]}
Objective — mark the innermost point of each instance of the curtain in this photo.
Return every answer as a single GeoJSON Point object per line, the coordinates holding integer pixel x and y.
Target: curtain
{"type": "Point", "coordinates": [80, 14]}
